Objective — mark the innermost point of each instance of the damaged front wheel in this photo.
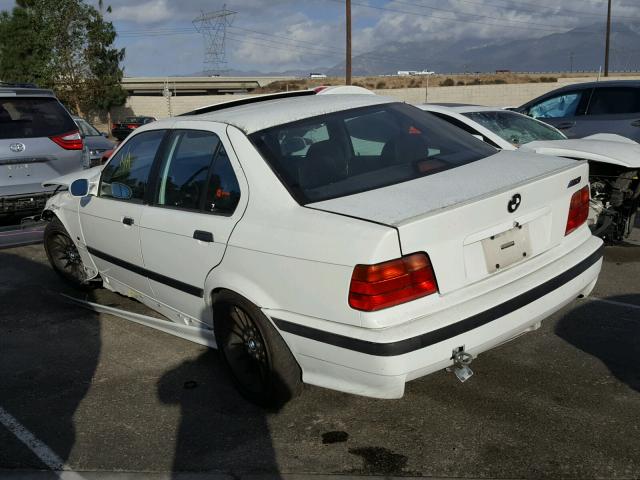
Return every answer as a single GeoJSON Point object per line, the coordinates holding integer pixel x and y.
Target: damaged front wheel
{"type": "Point", "coordinates": [63, 254]}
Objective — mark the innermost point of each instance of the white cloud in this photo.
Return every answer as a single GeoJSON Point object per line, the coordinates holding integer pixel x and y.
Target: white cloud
{"type": "Point", "coordinates": [152, 11]}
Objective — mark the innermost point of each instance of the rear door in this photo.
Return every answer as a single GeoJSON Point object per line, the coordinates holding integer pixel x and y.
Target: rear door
{"type": "Point", "coordinates": [111, 220]}
{"type": "Point", "coordinates": [199, 195]}
{"type": "Point", "coordinates": [29, 155]}
{"type": "Point", "coordinates": [564, 111]}
{"type": "Point", "coordinates": [613, 110]}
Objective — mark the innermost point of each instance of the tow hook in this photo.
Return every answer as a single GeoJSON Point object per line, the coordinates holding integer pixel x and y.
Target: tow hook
{"type": "Point", "coordinates": [461, 362]}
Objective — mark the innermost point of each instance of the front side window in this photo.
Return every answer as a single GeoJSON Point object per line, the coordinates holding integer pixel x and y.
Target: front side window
{"type": "Point", "coordinates": [365, 148]}
{"type": "Point", "coordinates": [565, 105]}
{"type": "Point", "coordinates": [515, 128]}
{"type": "Point", "coordinates": [614, 101]}
{"type": "Point", "coordinates": [126, 176]}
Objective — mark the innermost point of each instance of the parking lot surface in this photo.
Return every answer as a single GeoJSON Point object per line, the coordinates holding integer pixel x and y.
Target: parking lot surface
{"type": "Point", "coordinates": [105, 394]}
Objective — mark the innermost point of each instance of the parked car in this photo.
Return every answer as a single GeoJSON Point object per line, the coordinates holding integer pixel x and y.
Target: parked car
{"type": "Point", "coordinates": [121, 130]}
{"type": "Point", "coordinates": [96, 142]}
{"type": "Point", "coordinates": [346, 241]}
{"type": "Point", "coordinates": [594, 107]}
{"type": "Point", "coordinates": [614, 161]}
{"type": "Point", "coordinates": [38, 141]}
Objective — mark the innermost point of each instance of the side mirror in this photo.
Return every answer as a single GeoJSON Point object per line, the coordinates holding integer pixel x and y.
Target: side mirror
{"type": "Point", "coordinates": [79, 188]}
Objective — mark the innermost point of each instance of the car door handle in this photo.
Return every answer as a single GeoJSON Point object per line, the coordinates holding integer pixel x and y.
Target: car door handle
{"type": "Point", "coordinates": [127, 221]}
{"type": "Point", "coordinates": [565, 125]}
{"type": "Point", "coordinates": [203, 236]}
{"type": "Point", "coordinates": [635, 123]}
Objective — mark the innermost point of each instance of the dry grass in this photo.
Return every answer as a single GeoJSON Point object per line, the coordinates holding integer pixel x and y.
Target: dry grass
{"type": "Point", "coordinates": [396, 82]}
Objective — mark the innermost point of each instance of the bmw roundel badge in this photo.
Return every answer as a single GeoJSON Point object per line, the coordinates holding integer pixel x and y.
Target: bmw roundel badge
{"type": "Point", "coordinates": [514, 203]}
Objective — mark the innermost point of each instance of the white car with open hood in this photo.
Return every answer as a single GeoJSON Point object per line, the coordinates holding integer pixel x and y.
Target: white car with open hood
{"type": "Point", "coordinates": [614, 161]}
{"type": "Point", "coordinates": [346, 241]}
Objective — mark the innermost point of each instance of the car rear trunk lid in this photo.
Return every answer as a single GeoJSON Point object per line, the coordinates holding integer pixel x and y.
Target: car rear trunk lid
{"type": "Point", "coordinates": [478, 219]}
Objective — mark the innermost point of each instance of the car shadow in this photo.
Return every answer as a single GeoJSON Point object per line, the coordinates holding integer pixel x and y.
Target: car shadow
{"type": "Point", "coordinates": [49, 351]}
{"type": "Point", "coordinates": [608, 329]}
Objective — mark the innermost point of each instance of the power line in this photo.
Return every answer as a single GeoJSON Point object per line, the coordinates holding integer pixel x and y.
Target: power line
{"type": "Point", "coordinates": [525, 22]}
{"type": "Point", "coordinates": [538, 6]}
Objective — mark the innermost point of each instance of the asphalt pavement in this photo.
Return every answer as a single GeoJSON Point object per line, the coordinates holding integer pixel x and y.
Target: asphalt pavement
{"type": "Point", "coordinates": [103, 396]}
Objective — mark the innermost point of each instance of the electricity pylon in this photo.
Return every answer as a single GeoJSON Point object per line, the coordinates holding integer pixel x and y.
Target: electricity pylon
{"type": "Point", "coordinates": [213, 27]}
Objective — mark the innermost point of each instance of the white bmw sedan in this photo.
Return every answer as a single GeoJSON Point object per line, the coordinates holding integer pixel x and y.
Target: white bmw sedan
{"type": "Point", "coordinates": [345, 241]}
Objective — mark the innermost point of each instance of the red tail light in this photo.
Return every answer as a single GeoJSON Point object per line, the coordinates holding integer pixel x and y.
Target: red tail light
{"type": "Point", "coordinates": [69, 141]}
{"type": "Point", "coordinates": [578, 210]}
{"type": "Point", "coordinates": [114, 126]}
{"type": "Point", "coordinates": [374, 287]}
{"type": "Point", "coordinates": [132, 126]}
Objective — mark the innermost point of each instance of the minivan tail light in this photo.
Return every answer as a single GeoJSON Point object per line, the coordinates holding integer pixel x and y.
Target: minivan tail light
{"type": "Point", "coordinates": [69, 141]}
{"type": "Point", "coordinates": [578, 209]}
{"type": "Point", "coordinates": [383, 285]}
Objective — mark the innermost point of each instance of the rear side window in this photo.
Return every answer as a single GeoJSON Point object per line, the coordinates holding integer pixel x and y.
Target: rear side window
{"type": "Point", "coordinates": [561, 106]}
{"type": "Point", "coordinates": [196, 174]}
{"type": "Point", "coordinates": [362, 149]}
{"type": "Point", "coordinates": [33, 118]}
{"type": "Point", "coordinates": [184, 171]}
{"type": "Point", "coordinates": [612, 101]}
{"type": "Point", "coordinates": [126, 176]}
{"type": "Point", "coordinates": [86, 129]}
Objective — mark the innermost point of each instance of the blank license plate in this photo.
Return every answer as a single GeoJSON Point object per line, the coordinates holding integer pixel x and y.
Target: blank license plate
{"type": "Point", "coordinates": [506, 248]}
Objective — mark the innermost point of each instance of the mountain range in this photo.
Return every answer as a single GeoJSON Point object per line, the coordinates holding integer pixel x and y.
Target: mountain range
{"type": "Point", "coordinates": [580, 49]}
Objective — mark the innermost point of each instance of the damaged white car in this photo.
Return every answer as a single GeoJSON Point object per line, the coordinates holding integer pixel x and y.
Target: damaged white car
{"type": "Point", "coordinates": [614, 161]}
{"type": "Point", "coordinates": [345, 241]}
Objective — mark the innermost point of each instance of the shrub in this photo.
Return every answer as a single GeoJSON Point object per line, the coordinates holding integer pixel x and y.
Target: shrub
{"type": "Point", "coordinates": [447, 83]}
{"type": "Point", "coordinates": [380, 85]}
{"type": "Point", "coordinates": [460, 83]}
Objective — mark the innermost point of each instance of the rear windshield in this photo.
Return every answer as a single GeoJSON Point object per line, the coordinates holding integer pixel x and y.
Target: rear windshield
{"type": "Point", "coordinates": [363, 149]}
{"type": "Point", "coordinates": [134, 120]}
{"type": "Point", "coordinates": [33, 117]}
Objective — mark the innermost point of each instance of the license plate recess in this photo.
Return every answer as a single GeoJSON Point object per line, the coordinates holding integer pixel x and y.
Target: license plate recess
{"type": "Point", "coordinates": [507, 248]}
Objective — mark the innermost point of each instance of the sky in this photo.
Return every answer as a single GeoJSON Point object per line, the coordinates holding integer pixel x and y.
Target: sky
{"type": "Point", "coordinates": [161, 39]}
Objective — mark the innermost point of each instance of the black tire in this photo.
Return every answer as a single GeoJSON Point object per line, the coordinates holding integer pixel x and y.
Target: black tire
{"type": "Point", "coordinates": [63, 254]}
{"type": "Point", "coordinates": [257, 358]}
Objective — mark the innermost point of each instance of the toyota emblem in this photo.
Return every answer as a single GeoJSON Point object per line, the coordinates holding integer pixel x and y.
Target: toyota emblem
{"type": "Point", "coordinates": [17, 147]}
{"type": "Point", "coordinates": [514, 203]}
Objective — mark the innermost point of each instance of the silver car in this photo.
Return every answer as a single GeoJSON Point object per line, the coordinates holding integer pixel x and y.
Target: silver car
{"type": "Point", "coordinates": [38, 140]}
{"type": "Point", "coordinates": [96, 142]}
{"type": "Point", "coordinates": [588, 108]}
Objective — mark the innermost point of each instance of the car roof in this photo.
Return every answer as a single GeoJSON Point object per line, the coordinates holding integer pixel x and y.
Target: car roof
{"type": "Point", "coordinates": [459, 108]}
{"type": "Point", "coordinates": [25, 92]}
{"type": "Point", "coordinates": [601, 83]}
{"type": "Point", "coordinates": [253, 117]}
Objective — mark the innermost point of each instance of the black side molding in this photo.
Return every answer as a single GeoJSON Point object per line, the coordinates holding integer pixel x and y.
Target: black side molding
{"type": "Point", "coordinates": [412, 344]}
{"type": "Point", "coordinates": [157, 277]}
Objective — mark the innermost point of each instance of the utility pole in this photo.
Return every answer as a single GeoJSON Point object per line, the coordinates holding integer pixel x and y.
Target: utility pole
{"type": "Point", "coordinates": [348, 60]}
{"type": "Point", "coordinates": [571, 61]}
{"type": "Point", "coordinates": [606, 52]}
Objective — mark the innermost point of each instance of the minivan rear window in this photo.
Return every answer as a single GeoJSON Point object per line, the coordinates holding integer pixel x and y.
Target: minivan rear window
{"type": "Point", "coordinates": [362, 149]}
{"type": "Point", "coordinates": [33, 117]}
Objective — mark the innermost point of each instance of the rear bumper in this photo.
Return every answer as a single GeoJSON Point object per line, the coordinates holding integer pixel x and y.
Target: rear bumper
{"type": "Point", "coordinates": [24, 203]}
{"type": "Point", "coordinates": [378, 362]}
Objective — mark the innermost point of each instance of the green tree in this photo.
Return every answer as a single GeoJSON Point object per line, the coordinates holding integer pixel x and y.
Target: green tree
{"type": "Point", "coordinates": [66, 45]}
